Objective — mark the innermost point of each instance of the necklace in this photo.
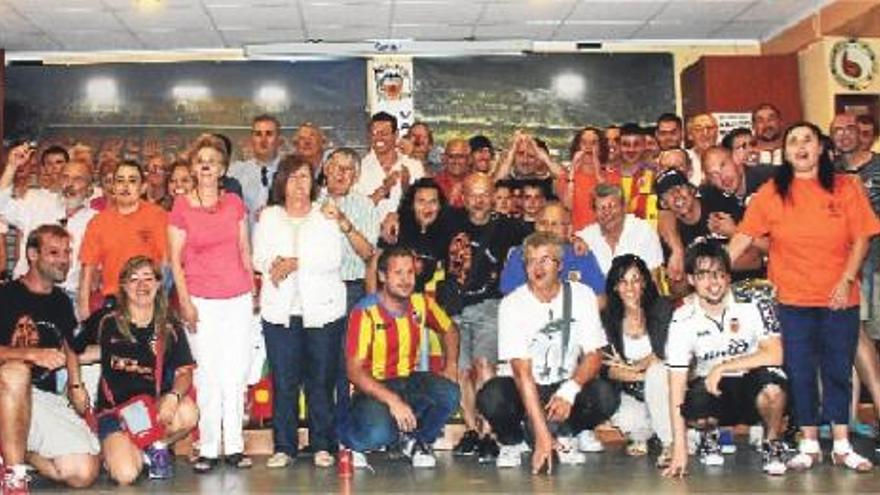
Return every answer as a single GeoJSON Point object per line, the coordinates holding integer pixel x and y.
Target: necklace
{"type": "Point", "coordinates": [213, 208]}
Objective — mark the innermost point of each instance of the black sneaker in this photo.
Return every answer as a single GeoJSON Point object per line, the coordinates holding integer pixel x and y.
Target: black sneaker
{"type": "Point", "coordinates": [709, 450]}
{"type": "Point", "coordinates": [774, 458]}
{"type": "Point", "coordinates": [468, 444]}
{"type": "Point", "coordinates": [487, 450]}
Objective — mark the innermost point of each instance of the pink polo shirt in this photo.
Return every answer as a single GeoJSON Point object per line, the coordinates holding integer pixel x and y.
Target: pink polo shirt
{"type": "Point", "coordinates": [211, 257]}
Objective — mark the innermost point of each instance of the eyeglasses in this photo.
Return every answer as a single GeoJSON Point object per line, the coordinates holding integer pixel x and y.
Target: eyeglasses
{"type": "Point", "coordinates": [543, 260]}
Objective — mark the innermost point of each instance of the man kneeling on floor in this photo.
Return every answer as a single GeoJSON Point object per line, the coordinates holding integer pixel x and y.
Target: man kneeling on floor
{"type": "Point", "coordinates": [549, 335]}
{"type": "Point", "coordinates": [387, 338]}
{"type": "Point", "coordinates": [36, 327]}
{"type": "Point", "coordinates": [737, 349]}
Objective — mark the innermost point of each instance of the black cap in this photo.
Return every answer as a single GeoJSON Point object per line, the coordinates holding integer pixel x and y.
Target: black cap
{"type": "Point", "coordinates": [479, 142]}
{"type": "Point", "coordinates": [667, 180]}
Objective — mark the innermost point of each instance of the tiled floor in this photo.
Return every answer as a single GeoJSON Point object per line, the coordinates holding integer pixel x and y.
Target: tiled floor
{"type": "Point", "coordinates": [609, 472]}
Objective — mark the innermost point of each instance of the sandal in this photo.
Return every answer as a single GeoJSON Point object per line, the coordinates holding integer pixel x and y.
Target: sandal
{"type": "Point", "coordinates": [637, 448]}
{"type": "Point", "coordinates": [239, 461]}
{"type": "Point", "coordinates": [851, 460]}
{"type": "Point", "coordinates": [204, 465]}
{"type": "Point", "coordinates": [804, 460]}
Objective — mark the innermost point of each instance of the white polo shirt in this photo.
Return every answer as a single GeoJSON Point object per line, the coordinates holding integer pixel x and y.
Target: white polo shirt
{"type": "Point", "coordinates": [638, 238]}
{"type": "Point", "coordinates": [372, 175]}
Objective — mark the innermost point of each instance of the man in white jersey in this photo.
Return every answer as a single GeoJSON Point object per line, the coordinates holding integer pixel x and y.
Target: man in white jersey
{"type": "Point", "coordinates": [734, 341]}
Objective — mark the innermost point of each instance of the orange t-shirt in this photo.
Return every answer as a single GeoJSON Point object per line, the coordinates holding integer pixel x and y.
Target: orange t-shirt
{"type": "Point", "coordinates": [582, 212]}
{"type": "Point", "coordinates": [811, 235]}
{"type": "Point", "coordinates": [111, 239]}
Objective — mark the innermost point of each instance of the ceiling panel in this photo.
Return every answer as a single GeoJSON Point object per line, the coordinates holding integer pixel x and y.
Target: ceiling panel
{"type": "Point", "coordinates": [356, 13]}
{"type": "Point", "coordinates": [596, 31]}
{"type": "Point", "coordinates": [701, 10]}
{"type": "Point", "coordinates": [98, 40]}
{"type": "Point", "coordinates": [184, 39]}
{"type": "Point", "coordinates": [743, 30]}
{"type": "Point", "coordinates": [527, 11]}
{"type": "Point", "coordinates": [32, 24]}
{"type": "Point", "coordinates": [258, 18]}
{"type": "Point", "coordinates": [677, 30]}
{"type": "Point", "coordinates": [515, 31]}
{"type": "Point", "coordinates": [444, 12]}
{"type": "Point", "coordinates": [621, 10]}
{"type": "Point", "coordinates": [431, 32]}
{"type": "Point", "coordinates": [251, 37]}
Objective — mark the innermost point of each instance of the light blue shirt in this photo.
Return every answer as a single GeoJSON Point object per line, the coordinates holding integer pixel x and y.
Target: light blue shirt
{"type": "Point", "coordinates": [250, 174]}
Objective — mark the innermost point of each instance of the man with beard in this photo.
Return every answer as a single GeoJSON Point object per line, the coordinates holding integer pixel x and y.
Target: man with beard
{"type": "Point", "coordinates": [668, 132]}
{"type": "Point", "coordinates": [36, 327]}
{"type": "Point", "coordinates": [767, 125]}
{"type": "Point", "coordinates": [392, 396]}
{"type": "Point", "coordinates": [867, 132]}
{"type": "Point", "coordinates": [67, 208]}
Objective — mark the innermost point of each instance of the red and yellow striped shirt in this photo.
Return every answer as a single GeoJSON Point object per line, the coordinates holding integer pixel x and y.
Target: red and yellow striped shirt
{"type": "Point", "coordinates": [389, 345]}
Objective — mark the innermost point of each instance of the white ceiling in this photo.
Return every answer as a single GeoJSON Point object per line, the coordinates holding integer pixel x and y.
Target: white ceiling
{"type": "Point", "coordinates": [81, 25]}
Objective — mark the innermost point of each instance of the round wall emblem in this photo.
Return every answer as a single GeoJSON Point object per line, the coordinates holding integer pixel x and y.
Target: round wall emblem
{"type": "Point", "coordinates": [853, 63]}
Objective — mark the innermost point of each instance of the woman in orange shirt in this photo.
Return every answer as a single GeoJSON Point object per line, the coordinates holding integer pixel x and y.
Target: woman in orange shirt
{"type": "Point", "coordinates": [818, 225]}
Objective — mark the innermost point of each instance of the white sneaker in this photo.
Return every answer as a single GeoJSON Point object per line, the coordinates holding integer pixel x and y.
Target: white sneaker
{"type": "Point", "coordinates": [359, 460]}
{"type": "Point", "coordinates": [568, 453]}
{"type": "Point", "coordinates": [587, 442]}
{"type": "Point", "coordinates": [774, 458]}
{"type": "Point", "coordinates": [421, 455]}
{"type": "Point", "coordinates": [709, 450]}
{"type": "Point", "coordinates": [509, 456]}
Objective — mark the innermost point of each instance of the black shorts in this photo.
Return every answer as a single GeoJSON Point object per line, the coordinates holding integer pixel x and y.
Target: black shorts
{"type": "Point", "coordinates": [736, 404]}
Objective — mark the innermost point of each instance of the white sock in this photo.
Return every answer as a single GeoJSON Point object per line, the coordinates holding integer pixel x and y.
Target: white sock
{"type": "Point", "coordinates": [842, 446]}
{"type": "Point", "coordinates": [19, 470]}
{"type": "Point", "coordinates": [809, 446]}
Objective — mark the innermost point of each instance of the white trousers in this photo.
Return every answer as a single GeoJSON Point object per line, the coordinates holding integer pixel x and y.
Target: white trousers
{"type": "Point", "coordinates": [639, 420]}
{"type": "Point", "coordinates": [221, 347]}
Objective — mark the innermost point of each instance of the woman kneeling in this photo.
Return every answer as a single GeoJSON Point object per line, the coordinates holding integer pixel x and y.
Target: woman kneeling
{"type": "Point", "coordinates": [146, 372]}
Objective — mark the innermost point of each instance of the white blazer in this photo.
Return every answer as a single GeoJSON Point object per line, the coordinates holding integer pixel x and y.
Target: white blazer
{"type": "Point", "coordinates": [315, 290]}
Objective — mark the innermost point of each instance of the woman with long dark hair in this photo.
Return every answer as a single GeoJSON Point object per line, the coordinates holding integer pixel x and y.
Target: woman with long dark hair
{"type": "Point", "coordinates": [636, 320]}
{"type": "Point", "coordinates": [818, 225]}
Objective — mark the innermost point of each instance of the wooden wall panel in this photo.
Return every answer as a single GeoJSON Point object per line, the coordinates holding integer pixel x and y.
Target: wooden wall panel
{"type": "Point", "coordinates": [739, 83]}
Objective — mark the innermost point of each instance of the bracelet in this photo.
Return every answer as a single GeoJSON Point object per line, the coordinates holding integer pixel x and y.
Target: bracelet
{"type": "Point", "coordinates": [74, 386]}
{"type": "Point", "coordinates": [568, 390]}
{"type": "Point", "coordinates": [348, 230]}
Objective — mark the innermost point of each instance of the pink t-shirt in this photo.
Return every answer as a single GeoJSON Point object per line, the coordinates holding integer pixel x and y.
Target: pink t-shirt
{"type": "Point", "coordinates": [211, 255]}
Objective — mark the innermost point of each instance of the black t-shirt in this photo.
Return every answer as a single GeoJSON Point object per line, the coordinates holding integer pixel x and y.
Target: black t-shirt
{"type": "Point", "coordinates": [28, 319]}
{"type": "Point", "coordinates": [128, 367]}
{"type": "Point", "coordinates": [476, 257]}
{"type": "Point", "coordinates": [429, 246]}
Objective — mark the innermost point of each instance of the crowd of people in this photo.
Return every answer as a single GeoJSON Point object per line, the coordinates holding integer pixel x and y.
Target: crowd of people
{"type": "Point", "coordinates": [665, 281]}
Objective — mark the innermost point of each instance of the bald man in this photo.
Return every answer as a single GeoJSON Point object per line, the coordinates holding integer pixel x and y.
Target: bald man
{"type": "Point", "coordinates": [554, 218]}
{"type": "Point", "coordinates": [471, 294]}
{"type": "Point", "coordinates": [456, 167]}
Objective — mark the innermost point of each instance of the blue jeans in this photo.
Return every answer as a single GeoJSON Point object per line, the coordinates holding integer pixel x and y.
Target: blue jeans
{"type": "Point", "coordinates": [819, 341]}
{"type": "Point", "coordinates": [369, 424]}
{"type": "Point", "coordinates": [303, 357]}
